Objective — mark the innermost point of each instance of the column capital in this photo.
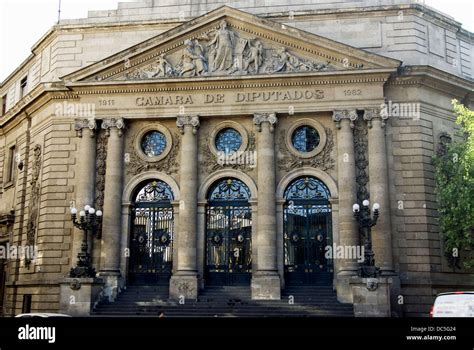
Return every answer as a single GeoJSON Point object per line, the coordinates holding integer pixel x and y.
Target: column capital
{"type": "Point", "coordinates": [260, 118]}
{"type": "Point", "coordinates": [340, 114]}
{"type": "Point", "coordinates": [182, 121]}
{"type": "Point", "coordinates": [375, 113]}
{"type": "Point", "coordinates": [108, 124]}
{"type": "Point", "coordinates": [80, 124]}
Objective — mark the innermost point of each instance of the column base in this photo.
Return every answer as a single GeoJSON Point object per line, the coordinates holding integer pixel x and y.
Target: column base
{"type": "Point", "coordinates": [343, 286]}
{"type": "Point", "coordinates": [184, 287]}
{"type": "Point", "coordinates": [371, 296]}
{"type": "Point", "coordinates": [113, 284]}
{"type": "Point", "coordinates": [266, 286]}
{"type": "Point", "coordinates": [79, 296]}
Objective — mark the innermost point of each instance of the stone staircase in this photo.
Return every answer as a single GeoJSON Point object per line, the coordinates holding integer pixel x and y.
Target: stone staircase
{"type": "Point", "coordinates": [226, 301]}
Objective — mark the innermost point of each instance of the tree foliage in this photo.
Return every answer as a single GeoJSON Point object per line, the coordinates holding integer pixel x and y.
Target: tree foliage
{"type": "Point", "coordinates": [454, 174]}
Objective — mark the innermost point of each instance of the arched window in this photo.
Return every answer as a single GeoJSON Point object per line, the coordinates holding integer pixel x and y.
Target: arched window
{"type": "Point", "coordinates": [229, 190]}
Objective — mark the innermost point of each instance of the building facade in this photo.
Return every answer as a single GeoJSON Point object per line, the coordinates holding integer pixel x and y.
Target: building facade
{"type": "Point", "coordinates": [228, 145]}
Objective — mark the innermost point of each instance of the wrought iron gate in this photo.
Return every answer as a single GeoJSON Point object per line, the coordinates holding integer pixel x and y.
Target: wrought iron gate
{"type": "Point", "coordinates": [307, 233]}
{"type": "Point", "coordinates": [151, 243]}
{"type": "Point", "coordinates": [228, 234]}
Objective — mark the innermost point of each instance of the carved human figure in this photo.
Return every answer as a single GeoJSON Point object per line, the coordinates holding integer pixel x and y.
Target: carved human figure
{"type": "Point", "coordinates": [188, 68]}
{"type": "Point", "coordinates": [163, 67]}
{"type": "Point", "coordinates": [222, 45]}
{"type": "Point", "coordinates": [200, 58]}
{"type": "Point", "coordinates": [255, 56]}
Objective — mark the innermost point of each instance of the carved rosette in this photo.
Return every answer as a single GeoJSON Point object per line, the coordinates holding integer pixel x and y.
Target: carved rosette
{"type": "Point", "coordinates": [361, 160]}
{"type": "Point", "coordinates": [108, 124]}
{"type": "Point", "coordinates": [211, 162]}
{"type": "Point", "coordinates": [270, 118]}
{"type": "Point", "coordinates": [339, 115]}
{"type": "Point", "coordinates": [101, 161]}
{"type": "Point", "coordinates": [34, 200]}
{"type": "Point", "coordinates": [81, 124]}
{"type": "Point", "coordinates": [322, 160]}
{"type": "Point", "coordinates": [169, 164]}
{"type": "Point", "coordinates": [183, 121]}
{"type": "Point", "coordinates": [371, 114]}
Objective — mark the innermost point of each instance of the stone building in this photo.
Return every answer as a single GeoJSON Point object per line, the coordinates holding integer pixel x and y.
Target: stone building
{"type": "Point", "coordinates": [227, 145]}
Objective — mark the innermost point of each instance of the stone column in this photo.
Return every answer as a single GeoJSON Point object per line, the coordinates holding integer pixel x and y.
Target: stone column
{"type": "Point", "coordinates": [184, 282]}
{"type": "Point", "coordinates": [112, 220]}
{"type": "Point", "coordinates": [85, 177]}
{"type": "Point", "coordinates": [266, 281]}
{"type": "Point", "coordinates": [346, 179]}
{"type": "Point", "coordinates": [379, 190]}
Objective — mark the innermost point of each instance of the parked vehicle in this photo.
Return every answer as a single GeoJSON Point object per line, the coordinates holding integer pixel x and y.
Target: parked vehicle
{"type": "Point", "coordinates": [44, 315]}
{"type": "Point", "coordinates": [455, 304]}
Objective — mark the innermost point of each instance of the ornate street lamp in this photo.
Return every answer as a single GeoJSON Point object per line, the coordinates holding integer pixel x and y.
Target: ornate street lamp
{"type": "Point", "coordinates": [363, 216]}
{"type": "Point", "coordinates": [89, 221]}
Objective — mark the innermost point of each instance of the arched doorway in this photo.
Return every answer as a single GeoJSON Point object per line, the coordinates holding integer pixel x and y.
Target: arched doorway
{"type": "Point", "coordinates": [151, 239]}
{"type": "Point", "coordinates": [307, 231]}
{"type": "Point", "coordinates": [228, 234]}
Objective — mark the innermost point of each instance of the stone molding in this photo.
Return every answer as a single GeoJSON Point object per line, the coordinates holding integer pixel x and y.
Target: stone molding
{"type": "Point", "coordinates": [373, 113]}
{"type": "Point", "coordinates": [90, 124]}
{"type": "Point", "coordinates": [108, 124]}
{"type": "Point", "coordinates": [339, 115]}
{"type": "Point", "coordinates": [259, 119]}
{"type": "Point", "coordinates": [183, 121]}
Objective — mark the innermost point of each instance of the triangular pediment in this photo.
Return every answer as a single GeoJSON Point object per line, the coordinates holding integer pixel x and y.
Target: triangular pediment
{"type": "Point", "coordinates": [229, 42]}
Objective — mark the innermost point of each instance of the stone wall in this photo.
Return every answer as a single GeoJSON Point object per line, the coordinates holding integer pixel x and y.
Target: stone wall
{"type": "Point", "coordinates": [44, 190]}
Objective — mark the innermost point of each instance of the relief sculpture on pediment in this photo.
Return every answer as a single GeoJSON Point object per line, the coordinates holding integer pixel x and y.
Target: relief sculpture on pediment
{"type": "Point", "coordinates": [224, 51]}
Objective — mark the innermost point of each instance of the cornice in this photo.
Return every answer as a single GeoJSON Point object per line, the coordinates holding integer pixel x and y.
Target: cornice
{"type": "Point", "coordinates": [433, 78]}
{"type": "Point", "coordinates": [378, 76]}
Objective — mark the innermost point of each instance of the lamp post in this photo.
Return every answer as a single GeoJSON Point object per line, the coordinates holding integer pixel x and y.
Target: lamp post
{"type": "Point", "coordinates": [89, 221]}
{"type": "Point", "coordinates": [363, 216]}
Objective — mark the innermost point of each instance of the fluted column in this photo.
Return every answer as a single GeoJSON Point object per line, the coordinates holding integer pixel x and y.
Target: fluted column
{"type": "Point", "coordinates": [112, 220]}
{"type": "Point", "coordinates": [266, 281]}
{"type": "Point", "coordinates": [184, 282]}
{"type": "Point", "coordinates": [379, 190]}
{"type": "Point", "coordinates": [85, 176]}
{"type": "Point", "coordinates": [346, 173]}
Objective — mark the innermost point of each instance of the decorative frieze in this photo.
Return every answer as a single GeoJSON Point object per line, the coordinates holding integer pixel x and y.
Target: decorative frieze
{"type": "Point", "coordinates": [361, 160]}
{"type": "Point", "coordinates": [323, 160]}
{"type": "Point", "coordinates": [244, 161]}
{"type": "Point", "coordinates": [223, 51]}
{"type": "Point", "coordinates": [101, 161]}
{"type": "Point", "coordinates": [34, 199]}
{"type": "Point", "coordinates": [169, 164]}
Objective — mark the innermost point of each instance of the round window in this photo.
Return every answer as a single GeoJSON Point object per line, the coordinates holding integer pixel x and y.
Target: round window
{"type": "Point", "coordinates": [305, 139]}
{"type": "Point", "coordinates": [153, 143]}
{"type": "Point", "coordinates": [228, 140]}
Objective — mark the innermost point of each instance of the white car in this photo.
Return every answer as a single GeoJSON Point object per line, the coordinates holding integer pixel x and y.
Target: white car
{"type": "Point", "coordinates": [43, 315]}
{"type": "Point", "coordinates": [455, 304]}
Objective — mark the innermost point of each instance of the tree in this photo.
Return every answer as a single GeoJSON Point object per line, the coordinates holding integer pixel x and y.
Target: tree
{"type": "Point", "coordinates": [454, 175]}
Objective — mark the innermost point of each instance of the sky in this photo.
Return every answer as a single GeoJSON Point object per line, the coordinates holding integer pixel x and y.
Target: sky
{"type": "Point", "coordinates": [24, 22]}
